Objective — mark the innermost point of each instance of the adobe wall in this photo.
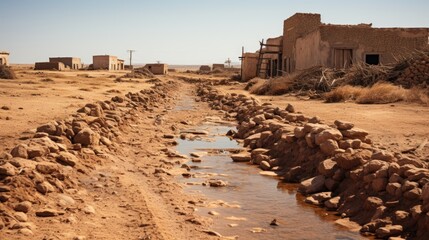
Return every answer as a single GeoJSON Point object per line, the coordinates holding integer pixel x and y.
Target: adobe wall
{"type": "Point", "coordinates": [309, 51]}
{"type": "Point", "coordinates": [4, 58]}
{"type": "Point", "coordinates": [49, 66]}
{"type": "Point", "coordinates": [295, 27]}
{"type": "Point", "coordinates": [70, 62]}
{"type": "Point", "coordinates": [218, 66]}
{"type": "Point", "coordinates": [248, 66]}
{"type": "Point", "coordinates": [106, 62]}
{"type": "Point", "coordinates": [388, 42]}
{"type": "Point", "coordinates": [157, 69]}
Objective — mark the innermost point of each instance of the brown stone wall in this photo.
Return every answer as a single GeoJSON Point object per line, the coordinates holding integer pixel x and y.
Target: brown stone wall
{"type": "Point", "coordinates": [49, 66]}
{"type": "Point", "coordinates": [295, 27]}
{"type": "Point", "coordinates": [388, 42]}
{"type": "Point", "coordinates": [248, 66]}
{"type": "Point", "coordinates": [157, 69]}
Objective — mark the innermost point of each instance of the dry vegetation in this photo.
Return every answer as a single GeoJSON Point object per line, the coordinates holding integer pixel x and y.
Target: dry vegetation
{"type": "Point", "coordinates": [406, 80]}
{"type": "Point", "coordinates": [6, 73]}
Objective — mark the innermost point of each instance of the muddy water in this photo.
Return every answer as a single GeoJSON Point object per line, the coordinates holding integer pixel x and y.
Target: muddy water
{"type": "Point", "coordinates": [252, 199]}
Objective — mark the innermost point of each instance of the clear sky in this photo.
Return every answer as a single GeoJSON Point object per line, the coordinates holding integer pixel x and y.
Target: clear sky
{"type": "Point", "coordinates": [175, 32]}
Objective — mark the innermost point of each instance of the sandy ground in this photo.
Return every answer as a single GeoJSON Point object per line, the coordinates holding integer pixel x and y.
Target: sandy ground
{"type": "Point", "coordinates": [132, 198]}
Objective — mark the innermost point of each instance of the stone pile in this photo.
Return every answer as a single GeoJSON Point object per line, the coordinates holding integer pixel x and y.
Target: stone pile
{"type": "Point", "coordinates": [40, 175]}
{"type": "Point", "coordinates": [415, 71]}
{"type": "Point", "coordinates": [336, 165]}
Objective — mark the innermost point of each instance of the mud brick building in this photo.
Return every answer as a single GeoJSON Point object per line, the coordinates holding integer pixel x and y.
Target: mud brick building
{"type": "Point", "coordinates": [4, 58]}
{"type": "Point", "coordinates": [307, 42]}
{"type": "Point", "coordinates": [59, 66]}
{"type": "Point", "coordinates": [107, 62]}
{"type": "Point", "coordinates": [157, 68]}
{"type": "Point", "coordinates": [69, 62]}
{"type": "Point", "coordinates": [220, 66]}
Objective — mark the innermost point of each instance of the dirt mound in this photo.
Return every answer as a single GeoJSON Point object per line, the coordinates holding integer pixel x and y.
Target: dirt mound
{"type": "Point", "coordinates": [139, 73]}
{"type": "Point", "coordinates": [6, 73]}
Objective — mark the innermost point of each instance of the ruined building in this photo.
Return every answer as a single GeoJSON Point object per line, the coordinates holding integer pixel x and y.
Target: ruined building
{"type": "Point", "coordinates": [107, 62]}
{"type": "Point", "coordinates": [69, 62]}
{"type": "Point", "coordinates": [307, 42]}
{"type": "Point", "coordinates": [157, 68]}
{"type": "Point", "coordinates": [59, 66]}
{"type": "Point", "coordinates": [4, 58]}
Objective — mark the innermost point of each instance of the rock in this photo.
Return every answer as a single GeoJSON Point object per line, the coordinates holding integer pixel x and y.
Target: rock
{"type": "Point", "coordinates": [7, 169]}
{"type": "Point", "coordinates": [105, 141]}
{"type": "Point", "coordinates": [88, 209]}
{"type": "Point", "coordinates": [24, 206]}
{"type": "Point", "coordinates": [388, 231]}
{"type": "Point", "coordinates": [37, 151]}
{"type": "Point", "coordinates": [25, 232]}
{"type": "Point", "coordinates": [425, 193]}
{"type": "Point", "coordinates": [394, 189]}
{"type": "Point", "coordinates": [290, 108]}
{"type": "Point", "coordinates": [20, 151]}
{"type": "Point", "coordinates": [47, 212]}
{"type": "Point", "coordinates": [213, 233]}
{"type": "Point", "coordinates": [274, 222]}
{"type": "Point", "coordinates": [48, 128]}
{"type": "Point", "coordinates": [45, 187]}
{"type": "Point", "coordinates": [413, 194]}
{"type": "Point", "coordinates": [241, 157]}
{"type": "Point", "coordinates": [258, 230]}
{"type": "Point", "coordinates": [86, 137]}
{"type": "Point", "coordinates": [46, 167]}
{"type": "Point", "coordinates": [327, 167]}
{"type": "Point", "coordinates": [349, 161]}
{"type": "Point", "coordinates": [374, 165]}
{"type": "Point", "coordinates": [333, 203]}
{"type": "Point", "coordinates": [355, 133]}
{"type": "Point", "coordinates": [67, 159]}
{"type": "Point", "coordinates": [372, 203]}
{"type": "Point", "coordinates": [329, 147]}
{"type": "Point", "coordinates": [328, 134]}
{"type": "Point", "coordinates": [217, 183]}
{"type": "Point", "coordinates": [20, 216]}
{"type": "Point", "coordinates": [299, 132]}
{"type": "Point", "coordinates": [264, 165]}
{"type": "Point", "coordinates": [382, 155]}
{"type": "Point", "coordinates": [213, 213]}
{"type": "Point", "coordinates": [379, 184]}
{"type": "Point", "coordinates": [343, 125]}
{"type": "Point", "coordinates": [313, 185]}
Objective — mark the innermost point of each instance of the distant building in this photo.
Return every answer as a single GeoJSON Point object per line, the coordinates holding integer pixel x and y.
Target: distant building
{"type": "Point", "coordinates": [59, 66]}
{"type": "Point", "coordinates": [220, 66]}
{"type": "Point", "coordinates": [307, 42]}
{"type": "Point", "coordinates": [107, 62]}
{"type": "Point", "coordinates": [4, 58]}
{"type": "Point", "coordinates": [205, 68]}
{"type": "Point", "coordinates": [69, 62]}
{"type": "Point", "coordinates": [157, 68]}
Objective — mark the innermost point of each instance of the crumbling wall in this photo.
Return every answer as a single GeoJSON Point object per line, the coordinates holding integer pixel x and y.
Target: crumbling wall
{"type": "Point", "coordinates": [309, 51]}
{"type": "Point", "coordinates": [106, 62]}
{"type": "Point", "coordinates": [70, 62]}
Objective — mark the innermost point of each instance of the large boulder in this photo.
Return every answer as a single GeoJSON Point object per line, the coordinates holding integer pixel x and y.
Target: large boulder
{"type": "Point", "coordinates": [48, 128]}
{"type": "Point", "coordinates": [67, 159]}
{"type": "Point", "coordinates": [327, 134]}
{"type": "Point", "coordinates": [241, 157]}
{"type": "Point", "coordinates": [343, 125]}
{"type": "Point", "coordinates": [20, 151]}
{"type": "Point", "coordinates": [329, 147]}
{"type": "Point", "coordinates": [87, 137]}
{"type": "Point", "coordinates": [313, 185]}
{"type": "Point", "coordinates": [355, 133]}
{"type": "Point", "coordinates": [348, 161]}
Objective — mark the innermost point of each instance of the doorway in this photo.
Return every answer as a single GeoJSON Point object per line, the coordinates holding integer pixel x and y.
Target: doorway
{"type": "Point", "coordinates": [343, 58]}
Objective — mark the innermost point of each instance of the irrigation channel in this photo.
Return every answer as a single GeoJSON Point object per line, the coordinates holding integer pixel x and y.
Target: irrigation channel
{"type": "Point", "coordinates": [246, 206]}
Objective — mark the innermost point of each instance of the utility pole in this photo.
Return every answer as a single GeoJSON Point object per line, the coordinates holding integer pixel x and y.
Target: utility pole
{"type": "Point", "coordinates": [228, 62]}
{"type": "Point", "coordinates": [131, 58]}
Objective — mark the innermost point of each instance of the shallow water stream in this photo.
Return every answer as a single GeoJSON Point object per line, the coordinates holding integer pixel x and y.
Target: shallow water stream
{"type": "Point", "coordinates": [251, 200]}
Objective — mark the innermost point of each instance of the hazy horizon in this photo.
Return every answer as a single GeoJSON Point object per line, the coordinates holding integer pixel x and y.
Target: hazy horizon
{"type": "Point", "coordinates": [188, 32]}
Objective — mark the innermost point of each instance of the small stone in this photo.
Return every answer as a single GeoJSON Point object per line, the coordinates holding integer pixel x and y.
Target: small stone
{"type": "Point", "coordinates": [24, 206]}
{"type": "Point", "coordinates": [20, 151]}
{"type": "Point", "coordinates": [47, 212]}
{"type": "Point", "coordinates": [264, 165]}
{"type": "Point", "coordinates": [217, 183]}
{"type": "Point", "coordinates": [274, 222]}
{"type": "Point", "coordinates": [7, 169]}
{"type": "Point", "coordinates": [241, 157]}
{"type": "Point", "coordinates": [169, 136]}
{"type": "Point", "coordinates": [88, 209]}
{"type": "Point", "coordinates": [20, 216]}
{"type": "Point", "coordinates": [67, 159]}
{"type": "Point", "coordinates": [232, 225]}
{"type": "Point", "coordinates": [313, 185]}
{"type": "Point", "coordinates": [45, 187]}
{"type": "Point", "coordinates": [213, 213]}
{"type": "Point", "coordinates": [87, 137]}
{"type": "Point", "coordinates": [343, 125]}
{"type": "Point", "coordinates": [25, 232]}
{"type": "Point", "coordinates": [388, 231]}
{"type": "Point", "coordinates": [290, 108]}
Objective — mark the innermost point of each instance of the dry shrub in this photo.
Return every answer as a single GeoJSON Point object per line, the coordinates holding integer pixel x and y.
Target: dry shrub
{"type": "Point", "coordinates": [255, 85]}
{"type": "Point", "coordinates": [7, 72]}
{"type": "Point", "coordinates": [273, 86]}
{"type": "Point", "coordinates": [379, 93]}
{"type": "Point", "coordinates": [382, 93]}
{"type": "Point", "coordinates": [343, 93]}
